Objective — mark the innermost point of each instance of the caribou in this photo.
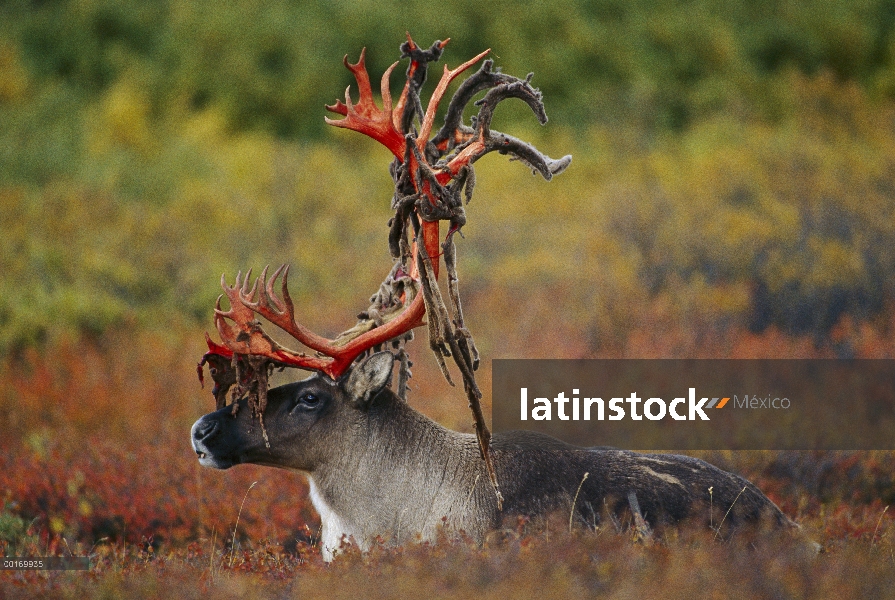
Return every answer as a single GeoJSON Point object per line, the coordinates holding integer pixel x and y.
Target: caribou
{"type": "Point", "coordinates": [377, 468]}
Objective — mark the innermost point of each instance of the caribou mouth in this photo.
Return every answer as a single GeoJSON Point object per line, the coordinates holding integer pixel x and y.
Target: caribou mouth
{"type": "Point", "coordinates": [215, 462]}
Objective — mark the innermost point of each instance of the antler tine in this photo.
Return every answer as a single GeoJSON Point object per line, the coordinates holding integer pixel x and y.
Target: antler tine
{"type": "Point", "coordinates": [246, 295]}
{"type": "Point", "coordinates": [384, 90]}
{"type": "Point", "coordinates": [227, 332]}
{"type": "Point", "coordinates": [270, 295]}
{"type": "Point", "coordinates": [287, 299]}
{"type": "Point", "coordinates": [238, 283]}
{"type": "Point", "coordinates": [238, 310]}
{"type": "Point", "coordinates": [359, 70]}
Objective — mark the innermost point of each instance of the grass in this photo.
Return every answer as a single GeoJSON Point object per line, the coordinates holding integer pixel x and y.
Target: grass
{"type": "Point", "coordinates": [557, 564]}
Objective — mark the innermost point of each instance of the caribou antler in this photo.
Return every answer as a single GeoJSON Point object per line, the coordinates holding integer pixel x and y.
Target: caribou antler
{"type": "Point", "coordinates": [430, 177]}
{"type": "Point", "coordinates": [247, 337]}
{"type": "Point", "coordinates": [249, 353]}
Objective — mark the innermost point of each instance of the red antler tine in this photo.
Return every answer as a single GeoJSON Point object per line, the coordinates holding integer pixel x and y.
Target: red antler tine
{"type": "Point", "coordinates": [287, 299]}
{"type": "Point", "coordinates": [365, 117]}
{"type": "Point", "coordinates": [246, 295]}
{"type": "Point", "coordinates": [359, 70]}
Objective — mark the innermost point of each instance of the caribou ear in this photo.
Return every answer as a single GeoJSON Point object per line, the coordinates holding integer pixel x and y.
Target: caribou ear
{"type": "Point", "coordinates": [367, 378]}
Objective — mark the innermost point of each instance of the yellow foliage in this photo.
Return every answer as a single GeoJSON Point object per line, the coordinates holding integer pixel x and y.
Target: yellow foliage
{"type": "Point", "coordinates": [123, 120]}
{"type": "Point", "coordinates": [14, 78]}
{"type": "Point", "coordinates": [833, 264]}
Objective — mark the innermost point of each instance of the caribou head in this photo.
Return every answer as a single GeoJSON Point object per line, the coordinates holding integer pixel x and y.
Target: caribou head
{"type": "Point", "coordinates": [306, 421]}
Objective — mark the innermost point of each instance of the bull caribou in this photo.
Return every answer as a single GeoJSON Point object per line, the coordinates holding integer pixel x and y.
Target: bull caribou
{"type": "Point", "coordinates": [377, 467]}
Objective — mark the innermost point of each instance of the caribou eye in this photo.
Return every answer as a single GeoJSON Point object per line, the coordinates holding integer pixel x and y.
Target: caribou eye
{"type": "Point", "coordinates": [305, 402]}
{"type": "Point", "coordinates": [308, 400]}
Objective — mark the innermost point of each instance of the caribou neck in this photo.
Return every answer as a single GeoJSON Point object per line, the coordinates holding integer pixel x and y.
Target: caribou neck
{"type": "Point", "coordinates": [398, 471]}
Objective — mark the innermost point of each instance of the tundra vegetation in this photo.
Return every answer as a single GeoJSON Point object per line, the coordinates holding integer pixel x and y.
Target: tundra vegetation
{"type": "Point", "coordinates": [732, 196]}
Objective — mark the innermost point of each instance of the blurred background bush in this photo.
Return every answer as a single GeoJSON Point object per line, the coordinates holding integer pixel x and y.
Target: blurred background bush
{"type": "Point", "coordinates": [734, 169]}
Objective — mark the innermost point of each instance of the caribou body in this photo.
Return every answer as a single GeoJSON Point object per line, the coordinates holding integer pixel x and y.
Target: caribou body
{"type": "Point", "coordinates": [378, 468]}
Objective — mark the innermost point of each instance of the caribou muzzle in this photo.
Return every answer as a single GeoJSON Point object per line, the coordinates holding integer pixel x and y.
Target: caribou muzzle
{"type": "Point", "coordinates": [209, 444]}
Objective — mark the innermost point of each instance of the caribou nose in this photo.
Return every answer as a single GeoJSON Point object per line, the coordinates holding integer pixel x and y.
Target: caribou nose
{"type": "Point", "coordinates": [205, 430]}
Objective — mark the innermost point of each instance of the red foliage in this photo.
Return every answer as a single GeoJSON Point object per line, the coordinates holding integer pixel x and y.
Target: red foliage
{"type": "Point", "coordinates": [101, 449]}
